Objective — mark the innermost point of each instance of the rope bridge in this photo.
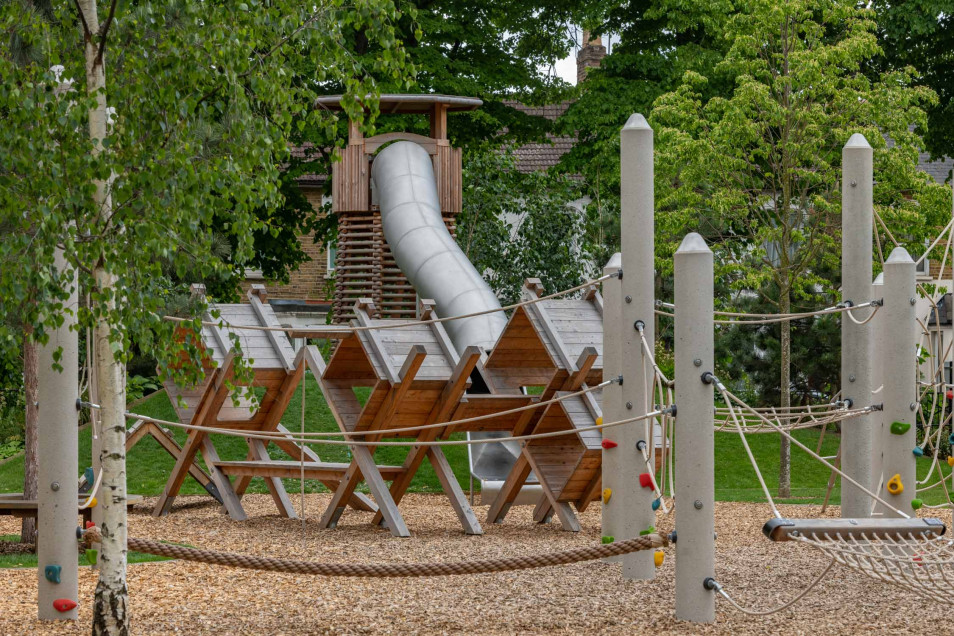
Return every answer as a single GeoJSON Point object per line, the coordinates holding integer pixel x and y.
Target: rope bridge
{"type": "Point", "coordinates": [389, 570]}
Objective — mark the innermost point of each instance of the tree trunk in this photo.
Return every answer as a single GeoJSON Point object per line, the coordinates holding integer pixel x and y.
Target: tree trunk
{"type": "Point", "coordinates": [785, 384]}
{"type": "Point", "coordinates": [30, 369]}
{"type": "Point", "coordinates": [110, 615]}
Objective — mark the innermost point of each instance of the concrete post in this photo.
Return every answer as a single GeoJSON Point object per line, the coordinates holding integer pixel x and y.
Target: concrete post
{"type": "Point", "coordinates": [57, 570]}
{"type": "Point", "coordinates": [694, 436]}
{"type": "Point", "coordinates": [611, 400]}
{"type": "Point", "coordinates": [900, 375]}
{"type": "Point", "coordinates": [637, 241]}
{"type": "Point", "coordinates": [858, 436]}
{"type": "Point", "coordinates": [877, 291]}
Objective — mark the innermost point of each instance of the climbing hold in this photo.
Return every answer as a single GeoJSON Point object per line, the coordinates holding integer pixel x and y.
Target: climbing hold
{"type": "Point", "coordinates": [52, 573]}
{"type": "Point", "coordinates": [656, 503]}
{"type": "Point", "coordinates": [899, 428]}
{"type": "Point", "coordinates": [599, 421]}
{"type": "Point", "coordinates": [63, 604]}
{"type": "Point", "coordinates": [950, 460]}
{"type": "Point", "coordinates": [608, 444]}
{"type": "Point", "coordinates": [646, 480]}
{"type": "Point", "coordinates": [950, 439]}
{"type": "Point", "coordinates": [918, 560]}
{"type": "Point", "coordinates": [606, 540]}
{"type": "Point", "coordinates": [649, 530]}
{"type": "Point", "coordinates": [90, 524]}
{"type": "Point", "coordinates": [93, 502]}
{"type": "Point", "coordinates": [895, 487]}
{"type": "Point", "coordinates": [89, 476]}
{"type": "Point", "coordinates": [92, 556]}
{"type": "Point", "coordinates": [916, 504]}
{"type": "Point", "coordinates": [607, 495]}
{"type": "Point", "coordinates": [658, 557]}
{"type": "Point", "coordinates": [918, 451]}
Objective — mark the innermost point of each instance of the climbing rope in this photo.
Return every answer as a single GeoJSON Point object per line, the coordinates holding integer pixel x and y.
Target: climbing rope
{"type": "Point", "coordinates": [265, 436]}
{"type": "Point", "coordinates": [718, 588]}
{"type": "Point", "coordinates": [389, 570]}
{"type": "Point", "coordinates": [400, 325]}
{"type": "Point", "coordinates": [768, 319]}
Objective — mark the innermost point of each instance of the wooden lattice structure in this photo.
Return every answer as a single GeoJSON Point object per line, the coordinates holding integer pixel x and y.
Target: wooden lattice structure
{"type": "Point", "coordinates": [276, 373]}
{"type": "Point", "coordinates": [555, 344]}
{"type": "Point", "coordinates": [364, 265]}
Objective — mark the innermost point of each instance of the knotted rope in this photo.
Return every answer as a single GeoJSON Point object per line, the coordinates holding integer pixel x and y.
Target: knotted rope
{"type": "Point", "coordinates": [391, 570]}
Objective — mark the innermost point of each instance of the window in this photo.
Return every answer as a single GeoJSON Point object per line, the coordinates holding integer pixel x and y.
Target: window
{"type": "Point", "coordinates": [331, 252]}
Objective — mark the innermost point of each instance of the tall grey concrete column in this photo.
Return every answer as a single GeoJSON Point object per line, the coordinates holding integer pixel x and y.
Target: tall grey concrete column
{"type": "Point", "coordinates": [637, 242]}
{"type": "Point", "coordinates": [694, 433]}
{"type": "Point", "coordinates": [611, 402]}
{"type": "Point", "coordinates": [877, 368]}
{"type": "Point", "coordinates": [900, 375]}
{"type": "Point", "coordinates": [57, 464]}
{"type": "Point", "coordinates": [858, 437]}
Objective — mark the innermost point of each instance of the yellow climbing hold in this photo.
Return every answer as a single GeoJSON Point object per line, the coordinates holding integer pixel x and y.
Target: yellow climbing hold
{"type": "Point", "coordinates": [658, 557]}
{"type": "Point", "coordinates": [950, 460]}
{"type": "Point", "coordinates": [599, 421]}
{"type": "Point", "coordinates": [607, 493]}
{"type": "Point", "coordinates": [895, 487]}
{"type": "Point", "coordinates": [93, 502]}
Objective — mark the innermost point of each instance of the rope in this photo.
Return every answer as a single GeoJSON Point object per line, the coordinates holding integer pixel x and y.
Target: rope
{"type": "Point", "coordinates": [301, 461]}
{"type": "Point", "coordinates": [246, 434]}
{"type": "Point", "coordinates": [391, 570]}
{"type": "Point", "coordinates": [93, 491]}
{"type": "Point", "coordinates": [767, 319]}
{"type": "Point", "coordinates": [399, 325]}
{"type": "Point", "coordinates": [816, 455]}
{"type": "Point", "coordinates": [784, 606]}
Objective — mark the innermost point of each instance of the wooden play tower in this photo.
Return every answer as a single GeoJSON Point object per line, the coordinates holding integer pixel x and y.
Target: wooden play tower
{"type": "Point", "coordinates": [364, 265]}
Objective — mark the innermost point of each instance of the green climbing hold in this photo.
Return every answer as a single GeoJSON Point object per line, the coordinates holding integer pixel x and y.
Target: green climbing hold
{"type": "Point", "coordinates": [92, 556]}
{"type": "Point", "coordinates": [606, 540]}
{"type": "Point", "coordinates": [916, 504]}
{"type": "Point", "coordinates": [649, 530]}
{"type": "Point", "coordinates": [52, 573]}
{"type": "Point", "coordinates": [899, 428]}
{"type": "Point", "coordinates": [89, 476]}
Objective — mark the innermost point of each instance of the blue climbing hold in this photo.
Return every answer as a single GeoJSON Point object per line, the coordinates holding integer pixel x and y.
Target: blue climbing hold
{"type": "Point", "coordinates": [52, 573]}
{"type": "Point", "coordinates": [656, 504]}
{"type": "Point", "coordinates": [90, 476]}
{"type": "Point", "coordinates": [918, 451]}
{"type": "Point", "coordinates": [950, 439]}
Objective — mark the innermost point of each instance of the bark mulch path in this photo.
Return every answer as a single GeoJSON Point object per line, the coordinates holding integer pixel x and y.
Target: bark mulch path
{"type": "Point", "coordinates": [179, 597]}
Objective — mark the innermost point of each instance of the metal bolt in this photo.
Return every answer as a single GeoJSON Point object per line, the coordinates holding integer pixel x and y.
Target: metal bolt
{"type": "Point", "coordinates": [913, 301]}
{"type": "Point", "coordinates": [629, 405]}
{"type": "Point", "coordinates": [629, 299]}
{"type": "Point", "coordinates": [851, 378]}
{"type": "Point", "coordinates": [854, 184]}
{"type": "Point", "coordinates": [913, 406]}
{"type": "Point", "coordinates": [55, 486]}
{"type": "Point", "coordinates": [697, 504]}
{"type": "Point", "coordinates": [697, 362]}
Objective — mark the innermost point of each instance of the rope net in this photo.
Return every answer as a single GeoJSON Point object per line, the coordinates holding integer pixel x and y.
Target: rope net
{"type": "Point", "coordinates": [914, 562]}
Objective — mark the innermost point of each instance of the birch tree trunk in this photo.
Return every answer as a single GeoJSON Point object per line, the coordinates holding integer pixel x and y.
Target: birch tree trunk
{"type": "Point", "coordinates": [785, 383]}
{"type": "Point", "coordinates": [30, 369]}
{"type": "Point", "coordinates": [110, 615]}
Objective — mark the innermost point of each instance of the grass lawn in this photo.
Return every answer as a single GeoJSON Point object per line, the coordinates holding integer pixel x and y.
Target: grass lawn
{"type": "Point", "coordinates": [149, 464]}
{"type": "Point", "coordinates": [29, 560]}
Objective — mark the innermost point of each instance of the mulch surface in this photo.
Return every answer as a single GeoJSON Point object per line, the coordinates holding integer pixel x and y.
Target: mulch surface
{"type": "Point", "coordinates": [177, 597]}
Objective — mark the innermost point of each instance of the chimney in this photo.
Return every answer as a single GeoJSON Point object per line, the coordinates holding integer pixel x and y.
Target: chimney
{"type": "Point", "coordinates": [591, 54]}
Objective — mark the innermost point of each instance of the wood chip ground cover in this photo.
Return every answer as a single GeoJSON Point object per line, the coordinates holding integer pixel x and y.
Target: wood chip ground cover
{"type": "Point", "coordinates": [177, 597]}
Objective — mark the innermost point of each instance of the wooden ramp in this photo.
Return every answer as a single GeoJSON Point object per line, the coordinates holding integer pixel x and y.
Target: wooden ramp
{"type": "Point", "coordinates": [557, 345]}
{"type": "Point", "coordinates": [276, 373]}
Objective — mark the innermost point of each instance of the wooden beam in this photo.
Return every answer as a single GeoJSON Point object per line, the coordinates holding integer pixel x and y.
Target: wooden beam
{"type": "Point", "coordinates": [254, 299]}
{"type": "Point", "coordinates": [543, 511]}
{"type": "Point", "coordinates": [171, 446]}
{"type": "Point", "coordinates": [362, 310]}
{"type": "Point", "coordinates": [229, 499]}
{"type": "Point", "coordinates": [455, 493]}
{"type": "Point", "coordinates": [508, 492]}
{"type": "Point", "coordinates": [379, 490]}
{"type": "Point", "coordinates": [591, 492]}
{"type": "Point", "coordinates": [275, 486]}
{"type": "Point", "coordinates": [567, 519]}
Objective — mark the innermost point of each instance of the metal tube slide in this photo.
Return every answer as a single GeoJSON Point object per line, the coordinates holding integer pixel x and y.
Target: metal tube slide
{"type": "Point", "coordinates": [425, 251]}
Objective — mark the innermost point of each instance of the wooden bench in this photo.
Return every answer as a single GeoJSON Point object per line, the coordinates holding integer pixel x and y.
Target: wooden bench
{"type": "Point", "coordinates": [14, 505]}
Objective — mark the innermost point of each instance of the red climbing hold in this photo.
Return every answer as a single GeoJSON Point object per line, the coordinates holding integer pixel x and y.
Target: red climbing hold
{"type": "Point", "coordinates": [950, 395]}
{"type": "Point", "coordinates": [608, 443]}
{"type": "Point", "coordinates": [646, 480]}
{"type": "Point", "coordinates": [63, 604]}
{"type": "Point", "coordinates": [90, 524]}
